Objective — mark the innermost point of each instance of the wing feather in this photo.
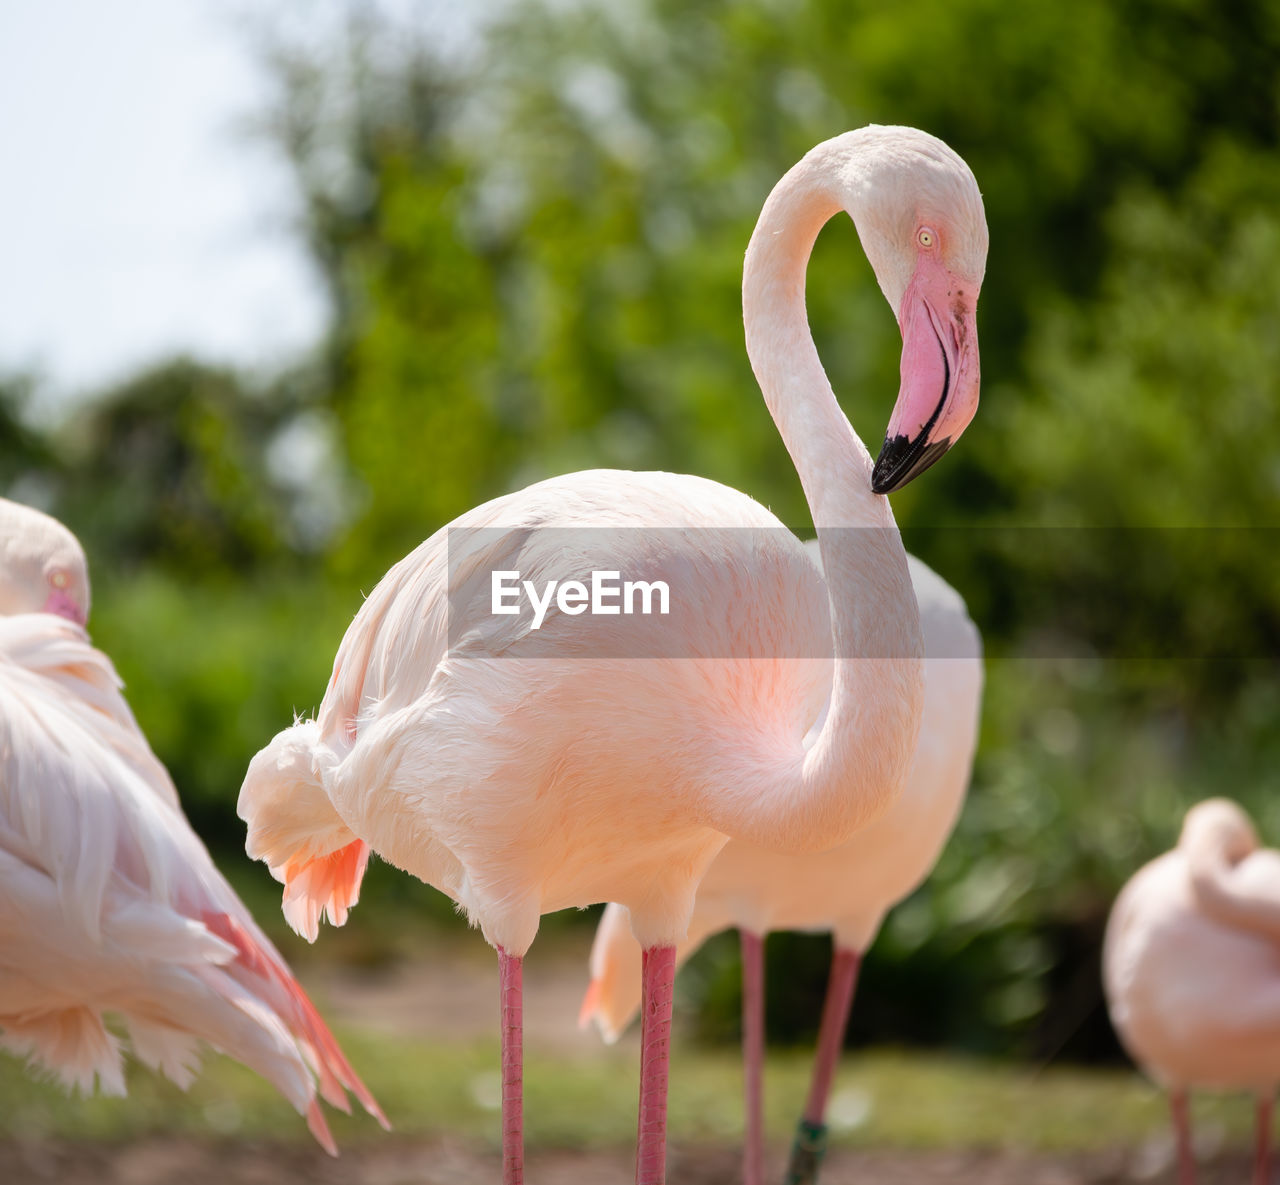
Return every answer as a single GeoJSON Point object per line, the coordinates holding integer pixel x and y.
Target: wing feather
{"type": "Point", "coordinates": [109, 902]}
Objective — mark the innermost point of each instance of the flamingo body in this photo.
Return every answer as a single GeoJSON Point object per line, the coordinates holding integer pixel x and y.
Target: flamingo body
{"type": "Point", "coordinates": [1191, 965]}
{"type": "Point", "coordinates": [1193, 977]}
{"type": "Point", "coordinates": [109, 902]}
{"type": "Point", "coordinates": [472, 722]}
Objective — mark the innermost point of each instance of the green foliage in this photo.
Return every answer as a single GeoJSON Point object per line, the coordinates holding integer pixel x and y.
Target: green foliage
{"type": "Point", "coordinates": [25, 455]}
{"type": "Point", "coordinates": [1170, 373]}
{"type": "Point", "coordinates": [169, 469]}
{"type": "Point", "coordinates": [213, 669]}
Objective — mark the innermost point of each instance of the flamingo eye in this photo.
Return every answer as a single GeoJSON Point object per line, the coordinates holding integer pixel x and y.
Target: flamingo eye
{"type": "Point", "coordinates": [925, 237]}
{"type": "Point", "coordinates": [59, 579]}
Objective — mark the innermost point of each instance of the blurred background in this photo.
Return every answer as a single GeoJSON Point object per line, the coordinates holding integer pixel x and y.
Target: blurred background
{"type": "Point", "coordinates": [285, 294]}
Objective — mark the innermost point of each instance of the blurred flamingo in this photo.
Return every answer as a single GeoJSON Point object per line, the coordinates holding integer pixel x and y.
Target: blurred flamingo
{"type": "Point", "coordinates": [109, 903]}
{"type": "Point", "coordinates": [846, 889]}
{"type": "Point", "coordinates": [1191, 967]}
{"type": "Point", "coordinates": [525, 771]}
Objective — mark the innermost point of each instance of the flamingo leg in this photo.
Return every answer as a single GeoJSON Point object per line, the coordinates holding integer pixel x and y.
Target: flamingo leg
{"type": "Point", "coordinates": [753, 1055]}
{"type": "Point", "coordinates": [659, 977]}
{"type": "Point", "coordinates": [1182, 1136]}
{"type": "Point", "coordinates": [811, 1134]}
{"type": "Point", "coordinates": [1262, 1141]}
{"type": "Point", "coordinates": [511, 978]}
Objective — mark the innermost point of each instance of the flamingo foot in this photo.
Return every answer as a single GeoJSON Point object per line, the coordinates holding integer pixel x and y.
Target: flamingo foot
{"type": "Point", "coordinates": [753, 1055]}
{"type": "Point", "coordinates": [655, 1056]}
{"type": "Point", "coordinates": [1182, 1135]}
{"type": "Point", "coordinates": [511, 977]}
{"type": "Point", "coordinates": [811, 1134]}
{"type": "Point", "coordinates": [807, 1153]}
{"type": "Point", "coordinates": [1262, 1142]}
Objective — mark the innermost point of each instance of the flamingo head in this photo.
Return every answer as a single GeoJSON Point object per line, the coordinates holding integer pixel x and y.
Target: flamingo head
{"type": "Point", "coordinates": [919, 215]}
{"type": "Point", "coordinates": [42, 565]}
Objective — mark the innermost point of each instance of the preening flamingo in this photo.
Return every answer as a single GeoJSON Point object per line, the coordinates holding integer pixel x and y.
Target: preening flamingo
{"type": "Point", "coordinates": [525, 771]}
{"type": "Point", "coordinates": [1191, 967]}
{"type": "Point", "coordinates": [846, 889]}
{"type": "Point", "coordinates": [109, 902]}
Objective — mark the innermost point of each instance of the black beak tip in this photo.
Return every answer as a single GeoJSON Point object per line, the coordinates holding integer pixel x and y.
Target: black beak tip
{"type": "Point", "coordinates": [882, 475]}
{"type": "Point", "coordinates": [902, 459]}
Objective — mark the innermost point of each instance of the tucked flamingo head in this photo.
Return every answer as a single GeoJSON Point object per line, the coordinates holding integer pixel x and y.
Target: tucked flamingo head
{"type": "Point", "coordinates": [1217, 830]}
{"type": "Point", "coordinates": [920, 218]}
{"type": "Point", "coordinates": [42, 565]}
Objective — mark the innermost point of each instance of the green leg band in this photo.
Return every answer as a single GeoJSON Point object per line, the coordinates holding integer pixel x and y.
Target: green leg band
{"type": "Point", "coordinates": [806, 1153]}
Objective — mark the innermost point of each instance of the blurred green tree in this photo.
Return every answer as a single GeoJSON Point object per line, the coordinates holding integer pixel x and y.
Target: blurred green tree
{"type": "Point", "coordinates": [168, 470]}
{"type": "Point", "coordinates": [26, 454]}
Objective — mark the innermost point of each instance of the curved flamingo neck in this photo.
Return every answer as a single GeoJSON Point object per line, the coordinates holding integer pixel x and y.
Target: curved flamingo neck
{"type": "Point", "coordinates": [1212, 872]}
{"type": "Point", "coordinates": [859, 759]}
{"type": "Point", "coordinates": [833, 464]}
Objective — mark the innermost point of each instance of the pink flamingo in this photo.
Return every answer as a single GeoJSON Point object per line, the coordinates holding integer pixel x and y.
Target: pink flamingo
{"type": "Point", "coordinates": [1191, 967]}
{"type": "Point", "coordinates": [846, 889]}
{"type": "Point", "coordinates": [109, 903]}
{"type": "Point", "coordinates": [525, 771]}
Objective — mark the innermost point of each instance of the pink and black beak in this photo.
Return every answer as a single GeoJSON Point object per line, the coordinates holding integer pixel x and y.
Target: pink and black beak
{"type": "Point", "coordinates": [938, 394]}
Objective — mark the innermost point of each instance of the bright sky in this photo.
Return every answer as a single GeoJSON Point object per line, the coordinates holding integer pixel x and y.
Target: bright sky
{"type": "Point", "coordinates": [136, 217]}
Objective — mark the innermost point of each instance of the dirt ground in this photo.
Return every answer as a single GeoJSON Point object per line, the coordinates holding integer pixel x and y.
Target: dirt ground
{"type": "Point", "coordinates": [455, 997]}
{"type": "Point", "coordinates": [412, 998]}
{"type": "Point", "coordinates": [172, 1161]}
